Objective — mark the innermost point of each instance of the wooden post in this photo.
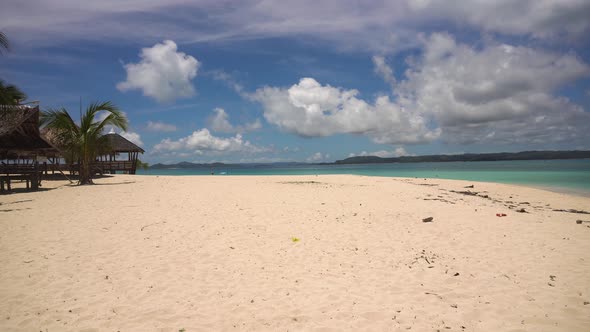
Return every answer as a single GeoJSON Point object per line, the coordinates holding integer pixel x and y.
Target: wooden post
{"type": "Point", "coordinates": [35, 177]}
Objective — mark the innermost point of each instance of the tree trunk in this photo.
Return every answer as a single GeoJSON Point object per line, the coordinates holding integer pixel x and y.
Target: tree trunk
{"type": "Point", "coordinates": [85, 172]}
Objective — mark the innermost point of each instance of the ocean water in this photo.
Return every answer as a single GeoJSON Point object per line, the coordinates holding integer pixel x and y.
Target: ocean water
{"type": "Point", "coordinates": [558, 175]}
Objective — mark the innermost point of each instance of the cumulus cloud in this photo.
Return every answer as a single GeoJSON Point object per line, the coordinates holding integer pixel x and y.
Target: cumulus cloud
{"type": "Point", "coordinates": [163, 73]}
{"type": "Point", "coordinates": [397, 152]}
{"type": "Point", "coordinates": [495, 93]}
{"type": "Point", "coordinates": [318, 157]}
{"type": "Point", "coordinates": [310, 109]}
{"type": "Point", "coordinates": [159, 126]}
{"type": "Point", "coordinates": [203, 142]}
{"type": "Point", "coordinates": [219, 122]}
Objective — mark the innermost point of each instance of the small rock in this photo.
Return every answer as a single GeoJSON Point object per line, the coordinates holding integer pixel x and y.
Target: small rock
{"type": "Point", "coordinates": [471, 186]}
{"type": "Point", "coordinates": [429, 219]}
{"type": "Point", "coordinates": [579, 222]}
{"type": "Point", "coordinates": [522, 210]}
{"type": "Point", "coordinates": [456, 274]}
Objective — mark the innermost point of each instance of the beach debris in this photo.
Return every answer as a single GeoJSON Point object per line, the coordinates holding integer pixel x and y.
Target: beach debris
{"type": "Point", "coordinates": [439, 297]}
{"type": "Point", "coordinates": [429, 219]}
{"type": "Point", "coordinates": [471, 186]}
{"type": "Point", "coordinates": [438, 199]}
{"type": "Point", "coordinates": [294, 239]}
{"type": "Point", "coordinates": [500, 214]}
{"type": "Point", "coordinates": [552, 278]}
{"type": "Point", "coordinates": [521, 210]}
{"type": "Point", "coordinates": [579, 221]}
{"type": "Point", "coordinates": [465, 192]}
{"type": "Point", "coordinates": [301, 182]}
{"type": "Point", "coordinates": [156, 223]}
{"type": "Point", "coordinates": [572, 211]}
{"type": "Point", "coordinates": [586, 303]}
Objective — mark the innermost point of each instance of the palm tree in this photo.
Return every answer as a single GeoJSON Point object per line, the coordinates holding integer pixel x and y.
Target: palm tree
{"type": "Point", "coordinates": [84, 142]}
{"type": "Point", "coordinates": [10, 94]}
{"type": "Point", "coordinates": [4, 43]}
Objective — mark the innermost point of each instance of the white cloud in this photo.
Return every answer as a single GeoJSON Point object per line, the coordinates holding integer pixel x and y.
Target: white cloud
{"type": "Point", "coordinates": [318, 157]}
{"type": "Point", "coordinates": [159, 126]}
{"type": "Point", "coordinates": [310, 109]}
{"type": "Point", "coordinates": [219, 122]}
{"type": "Point", "coordinates": [133, 137]}
{"type": "Point", "coordinates": [498, 93]}
{"type": "Point", "coordinates": [397, 152]}
{"type": "Point", "coordinates": [367, 25]}
{"type": "Point", "coordinates": [163, 73]}
{"type": "Point", "coordinates": [203, 142]}
{"type": "Point", "coordinates": [538, 18]}
{"type": "Point", "coordinates": [383, 70]}
{"type": "Point", "coordinates": [226, 78]}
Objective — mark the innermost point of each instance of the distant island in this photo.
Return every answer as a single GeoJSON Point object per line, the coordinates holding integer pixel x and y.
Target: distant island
{"type": "Point", "coordinates": [500, 156]}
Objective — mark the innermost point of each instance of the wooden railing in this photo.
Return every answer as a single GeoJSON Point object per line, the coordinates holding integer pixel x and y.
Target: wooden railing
{"type": "Point", "coordinates": [117, 165]}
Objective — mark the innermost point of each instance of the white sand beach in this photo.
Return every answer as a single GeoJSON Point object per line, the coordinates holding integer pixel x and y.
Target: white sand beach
{"type": "Point", "coordinates": [292, 253]}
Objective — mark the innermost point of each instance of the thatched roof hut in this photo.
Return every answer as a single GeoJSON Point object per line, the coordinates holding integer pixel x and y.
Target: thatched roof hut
{"type": "Point", "coordinates": [19, 133]}
{"type": "Point", "coordinates": [116, 143]}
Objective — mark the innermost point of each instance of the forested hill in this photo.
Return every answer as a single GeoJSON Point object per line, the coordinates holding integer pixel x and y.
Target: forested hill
{"type": "Point", "coordinates": [525, 155]}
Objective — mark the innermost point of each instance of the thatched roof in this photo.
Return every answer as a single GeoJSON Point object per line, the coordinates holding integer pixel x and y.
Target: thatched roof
{"type": "Point", "coordinates": [13, 116]}
{"type": "Point", "coordinates": [117, 143]}
{"type": "Point", "coordinates": [19, 131]}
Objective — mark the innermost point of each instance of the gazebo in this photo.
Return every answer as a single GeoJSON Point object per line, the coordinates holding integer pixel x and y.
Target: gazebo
{"type": "Point", "coordinates": [115, 145]}
{"type": "Point", "coordinates": [21, 145]}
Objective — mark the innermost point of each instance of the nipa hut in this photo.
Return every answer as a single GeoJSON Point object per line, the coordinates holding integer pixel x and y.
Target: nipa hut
{"type": "Point", "coordinates": [21, 145]}
{"type": "Point", "coordinates": [117, 146]}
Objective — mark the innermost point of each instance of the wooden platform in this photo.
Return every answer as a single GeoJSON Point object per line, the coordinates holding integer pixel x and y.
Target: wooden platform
{"type": "Point", "coordinates": [31, 174]}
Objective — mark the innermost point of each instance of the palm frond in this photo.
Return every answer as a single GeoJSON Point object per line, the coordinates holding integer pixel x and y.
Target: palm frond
{"type": "Point", "coordinates": [4, 43]}
{"type": "Point", "coordinates": [10, 94]}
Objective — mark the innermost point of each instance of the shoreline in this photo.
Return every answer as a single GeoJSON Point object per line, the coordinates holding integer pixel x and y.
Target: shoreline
{"type": "Point", "coordinates": [555, 189]}
{"type": "Point", "coordinates": [326, 252]}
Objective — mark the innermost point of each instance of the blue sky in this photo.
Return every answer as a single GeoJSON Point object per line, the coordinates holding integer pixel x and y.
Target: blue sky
{"type": "Point", "coordinates": [262, 81]}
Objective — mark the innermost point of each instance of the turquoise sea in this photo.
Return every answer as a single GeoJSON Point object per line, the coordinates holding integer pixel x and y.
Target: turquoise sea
{"type": "Point", "coordinates": [558, 175]}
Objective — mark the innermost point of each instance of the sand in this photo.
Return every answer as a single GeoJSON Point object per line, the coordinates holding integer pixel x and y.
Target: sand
{"type": "Point", "coordinates": [292, 253]}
